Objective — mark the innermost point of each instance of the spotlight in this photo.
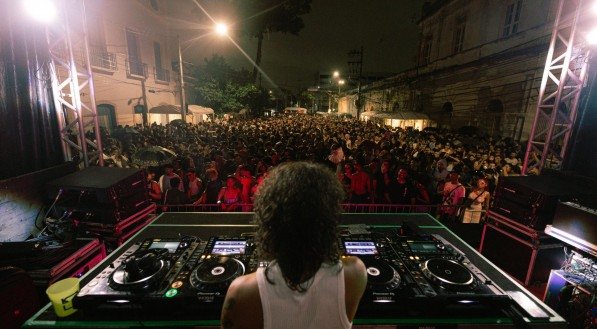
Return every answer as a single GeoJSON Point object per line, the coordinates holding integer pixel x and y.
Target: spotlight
{"type": "Point", "coordinates": [592, 37]}
{"type": "Point", "coordinates": [41, 10]}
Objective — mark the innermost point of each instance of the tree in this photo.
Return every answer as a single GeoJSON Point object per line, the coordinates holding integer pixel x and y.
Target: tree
{"type": "Point", "coordinates": [225, 89]}
{"type": "Point", "coordinates": [270, 16]}
{"type": "Point", "coordinates": [307, 99]}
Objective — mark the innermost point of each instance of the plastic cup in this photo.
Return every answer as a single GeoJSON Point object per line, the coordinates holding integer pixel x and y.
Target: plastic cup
{"type": "Point", "coordinates": [61, 294]}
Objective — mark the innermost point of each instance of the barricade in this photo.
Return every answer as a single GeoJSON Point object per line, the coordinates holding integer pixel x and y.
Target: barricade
{"type": "Point", "coordinates": [433, 210]}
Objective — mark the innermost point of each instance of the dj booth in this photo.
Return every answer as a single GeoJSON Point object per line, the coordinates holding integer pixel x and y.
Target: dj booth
{"type": "Point", "coordinates": [175, 272]}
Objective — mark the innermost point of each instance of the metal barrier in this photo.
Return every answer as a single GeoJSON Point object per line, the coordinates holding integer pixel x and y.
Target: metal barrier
{"type": "Point", "coordinates": [433, 210]}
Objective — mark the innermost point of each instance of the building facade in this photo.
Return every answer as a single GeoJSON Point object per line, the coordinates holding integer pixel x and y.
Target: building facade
{"type": "Point", "coordinates": [480, 63]}
{"type": "Point", "coordinates": [132, 51]}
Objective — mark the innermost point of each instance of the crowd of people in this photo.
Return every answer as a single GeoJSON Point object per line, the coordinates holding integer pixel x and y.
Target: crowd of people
{"type": "Point", "coordinates": [225, 162]}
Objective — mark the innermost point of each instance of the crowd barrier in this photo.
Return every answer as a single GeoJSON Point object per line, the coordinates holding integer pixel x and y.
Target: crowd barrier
{"type": "Point", "coordinates": [434, 210]}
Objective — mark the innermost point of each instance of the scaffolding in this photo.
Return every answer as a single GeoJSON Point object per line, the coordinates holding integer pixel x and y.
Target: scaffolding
{"type": "Point", "coordinates": [72, 85]}
{"type": "Point", "coordinates": [564, 76]}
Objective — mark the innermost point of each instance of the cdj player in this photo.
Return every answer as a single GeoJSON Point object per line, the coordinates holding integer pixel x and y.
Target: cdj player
{"type": "Point", "coordinates": [419, 272]}
{"type": "Point", "coordinates": [408, 275]}
{"type": "Point", "coordinates": [170, 274]}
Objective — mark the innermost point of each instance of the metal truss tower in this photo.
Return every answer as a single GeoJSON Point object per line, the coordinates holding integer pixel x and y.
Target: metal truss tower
{"type": "Point", "coordinates": [564, 76]}
{"type": "Point", "coordinates": [72, 85]}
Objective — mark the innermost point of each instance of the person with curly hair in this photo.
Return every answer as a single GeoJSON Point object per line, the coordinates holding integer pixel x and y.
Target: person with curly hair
{"type": "Point", "coordinates": [306, 284]}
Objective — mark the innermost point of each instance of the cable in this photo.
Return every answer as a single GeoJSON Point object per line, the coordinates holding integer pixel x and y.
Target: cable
{"type": "Point", "coordinates": [54, 203]}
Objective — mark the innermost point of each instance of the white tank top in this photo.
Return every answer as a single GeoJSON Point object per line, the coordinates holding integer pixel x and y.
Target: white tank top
{"type": "Point", "coordinates": [321, 306]}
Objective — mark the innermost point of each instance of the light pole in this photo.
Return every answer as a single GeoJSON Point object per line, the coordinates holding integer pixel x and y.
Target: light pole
{"type": "Point", "coordinates": [183, 109]}
{"type": "Point", "coordinates": [341, 82]}
{"type": "Point", "coordinates": [222, 30]}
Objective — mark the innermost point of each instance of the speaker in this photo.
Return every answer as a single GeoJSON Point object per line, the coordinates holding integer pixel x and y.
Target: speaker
{"type": "Point", "coordinates": [527, 259]}
{"type": "Point", "coordinates": [18, 297]}
{"type": "Point", "coordinates": [532, 200]}
{"type": "Point", "coordinates": [105, 185]}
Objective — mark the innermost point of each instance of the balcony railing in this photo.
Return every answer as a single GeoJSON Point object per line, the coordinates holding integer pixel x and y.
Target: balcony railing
{"type": "Point", "coordinates": [162, 75]}
{"type": "Point", "coordinates": [136, 69]}
{"type": "Point", "coordinates": [103, 60]}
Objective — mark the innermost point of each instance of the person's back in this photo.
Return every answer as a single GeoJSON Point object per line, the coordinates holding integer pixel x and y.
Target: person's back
{"type": "Point", "coordinates": [305, 284]}
{"type": "Point", "coordinates": [322, 305]}
{"type": "Point", "coordinates": [173, 195]}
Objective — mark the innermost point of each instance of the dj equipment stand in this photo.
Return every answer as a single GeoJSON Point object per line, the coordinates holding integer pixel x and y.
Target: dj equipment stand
{"type": "Point", "coordinates": [419, 274]}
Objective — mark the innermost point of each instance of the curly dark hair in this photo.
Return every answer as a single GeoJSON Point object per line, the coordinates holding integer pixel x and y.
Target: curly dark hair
{"type": "Point", "coordinates": [297, 211]}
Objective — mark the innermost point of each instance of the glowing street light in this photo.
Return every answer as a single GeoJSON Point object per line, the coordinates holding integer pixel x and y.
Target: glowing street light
{"type": "Point", "coordinates": [336, 74]}
{"type": "Point", "coordinates": [41, 10]}
{"type": "Point", "coordinates": [341, 82]}
{"type": "Point", "coordinates": [222, 29]}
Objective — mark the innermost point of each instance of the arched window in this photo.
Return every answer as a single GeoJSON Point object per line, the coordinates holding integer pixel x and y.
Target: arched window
{"type": "Point", "coordinates": [495, 106]}
{"type": "Point", "coordinates": [447, 107]}
{"type": "Point", "coordinates": [106, 116]}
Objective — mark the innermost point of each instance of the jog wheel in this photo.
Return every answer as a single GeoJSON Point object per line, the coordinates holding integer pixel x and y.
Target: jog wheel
{"type": "Point", "coordinates": [216, 274]}
{"type": "Point", "coordinates": [140, 271]}
{"type": "Point", "coordinates": [447, 273]}
{"type": "Point", "coordinates": [381, 276]}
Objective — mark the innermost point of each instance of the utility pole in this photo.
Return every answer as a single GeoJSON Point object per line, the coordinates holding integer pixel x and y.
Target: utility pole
{"type": "Point", "coordinates": [144, 97]}
{"type": "Point", "coordinates": [355, 64]}
{"type": "Point", "coordinates": [183, 109]}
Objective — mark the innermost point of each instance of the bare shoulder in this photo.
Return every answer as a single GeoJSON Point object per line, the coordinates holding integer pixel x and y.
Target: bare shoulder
{"type": "Point", "coordinates": [355, 282]}
{"type": "Point", "coordinates": [242, 305]}
{"type": "Point", "coordinates": [354, 270]}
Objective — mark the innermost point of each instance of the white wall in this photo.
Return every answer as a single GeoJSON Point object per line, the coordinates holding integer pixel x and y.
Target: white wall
{"type": "Point", "coordinates": [117, 88]}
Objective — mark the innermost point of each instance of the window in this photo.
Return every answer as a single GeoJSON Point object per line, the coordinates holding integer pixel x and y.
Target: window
{"type": "Point", "coordinates": [132, 44]}
{"type": "Point", "coordinates": [459, 31]}
{"type": "Point", "coordinates": [426, 50]}
{"type": "Point", "coordinates": [135, 66]}
{"type": "Point", "coordinates": [95, 32]}
{"type": "Point", "coordinates": [106, 116]}
{"type": "Point", "coordinates": [100, 58]}
{"type": "Point", "coordinates": [157, 51]}
{"type": "Point", "coordinates": [512, 18]}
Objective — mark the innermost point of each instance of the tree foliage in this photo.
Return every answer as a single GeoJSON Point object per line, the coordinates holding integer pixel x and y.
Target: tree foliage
{"type": "Point", "coordinates": [270, 16]}
{"type": "Point", "coordinates": [225, 89]}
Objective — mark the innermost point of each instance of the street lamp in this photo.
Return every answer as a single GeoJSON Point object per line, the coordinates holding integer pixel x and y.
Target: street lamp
{"type": "Point", "coordinates": [220, 29]}
{"type": "Point", "coordinates": [341, 82]}
{"type": "Point", "coordinates": [41, 10]}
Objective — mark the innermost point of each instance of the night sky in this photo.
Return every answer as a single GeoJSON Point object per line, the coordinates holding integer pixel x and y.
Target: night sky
{"type": "Point", "coordinates": [386, 29]}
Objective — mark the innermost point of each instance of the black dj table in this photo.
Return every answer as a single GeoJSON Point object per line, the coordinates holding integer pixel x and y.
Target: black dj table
{"type": "Point", "coordinates": [206, 225]}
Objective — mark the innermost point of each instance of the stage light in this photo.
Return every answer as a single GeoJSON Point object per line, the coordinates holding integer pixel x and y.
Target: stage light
{"type": "Point", "coordinates": [592, 37]}
{"type": "Point", "coordinates": [41, 10]}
